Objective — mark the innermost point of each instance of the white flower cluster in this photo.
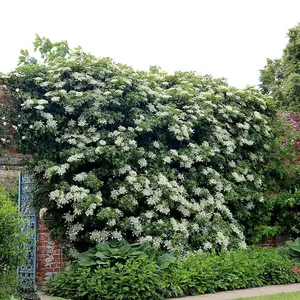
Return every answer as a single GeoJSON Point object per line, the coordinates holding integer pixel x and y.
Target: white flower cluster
{"type": "Point", "coordinates": [148, 155]}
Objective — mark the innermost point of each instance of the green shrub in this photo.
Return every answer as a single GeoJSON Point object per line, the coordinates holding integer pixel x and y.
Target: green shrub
{"type": "Point", "coordinates": [174, 160]}
{"type": "Point", "coordinates": [196, 274]}
{"type": "Point", "coordinates": [140, 279]}
{"type": "Point", "coordinates": [208, 273]}
{"type": "Point", "coordinates": [11, 238]}
{"type": "Point", "coordinates": [8, 284]}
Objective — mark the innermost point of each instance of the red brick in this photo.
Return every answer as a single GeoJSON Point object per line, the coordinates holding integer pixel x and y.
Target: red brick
{"type": "Point", "coordinates": [49, 259]}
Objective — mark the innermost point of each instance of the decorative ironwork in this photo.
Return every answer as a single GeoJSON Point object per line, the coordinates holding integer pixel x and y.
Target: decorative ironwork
{"type": "Point", "coordinates": [28, 272]}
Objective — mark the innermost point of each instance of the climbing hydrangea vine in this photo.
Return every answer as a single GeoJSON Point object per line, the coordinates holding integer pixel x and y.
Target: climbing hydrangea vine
{"type": "Point", "coordinates": [146, 156]}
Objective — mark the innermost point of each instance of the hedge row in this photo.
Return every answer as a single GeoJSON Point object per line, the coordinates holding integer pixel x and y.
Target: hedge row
{"type": "Point", "coordinates": [196, 274]}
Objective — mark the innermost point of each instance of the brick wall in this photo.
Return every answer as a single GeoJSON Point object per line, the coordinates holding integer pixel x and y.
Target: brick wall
{"type": "Point", "coordinates": [50, 258]}
{"type": "Point", "coordinates": [270, 242]}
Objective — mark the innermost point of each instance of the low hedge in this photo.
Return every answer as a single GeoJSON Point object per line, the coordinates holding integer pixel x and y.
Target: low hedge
{"type": "Point", "coordinates": [196, 274]}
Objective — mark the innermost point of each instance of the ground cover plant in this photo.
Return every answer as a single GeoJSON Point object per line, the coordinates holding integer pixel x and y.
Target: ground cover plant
{"type": "Point", "coordinates": [198, 273]}
{"type": "Point", "coordinates": [174, 160]}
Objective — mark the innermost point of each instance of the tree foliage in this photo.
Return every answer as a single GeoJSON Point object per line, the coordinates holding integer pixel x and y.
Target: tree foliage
{"type": "Point", "coordinates": [280, 78]}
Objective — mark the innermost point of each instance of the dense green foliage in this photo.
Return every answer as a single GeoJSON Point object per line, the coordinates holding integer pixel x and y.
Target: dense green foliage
{"type": "Point", "coordinates": [280, 212]}
{"type": "Point", "coordinates": [292, 249]}
{"type": "Point", "coordinates": [174, 160]}
{"type": "Point", "coordinates": [196, 274]}
{"type": "Point", "coordinates": [11, 255]}
{"type": "Point", "coordinates": [120, 252]}
{"type": "Point", "coordinates": [11, 240]}
{"type": "Point", "coordinates": [280, 78]}
{"type": "Point", "coordinates": [8, 284]}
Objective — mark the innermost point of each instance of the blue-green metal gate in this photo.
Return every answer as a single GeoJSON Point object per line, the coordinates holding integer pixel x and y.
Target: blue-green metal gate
{"type": "Point", "coordinates": [28, 272]}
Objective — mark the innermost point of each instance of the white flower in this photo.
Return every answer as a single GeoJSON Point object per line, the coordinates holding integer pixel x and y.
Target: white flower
{"type": "Point", "coordinates": [151, 155]}
{"type": "Point", "coordinates": [75, 157]}
{"type": "Point", "coordinates": [99, 236]}
{"type": "Point", "coordinates": [250, 177]}
{"type": "Point", "coordinates": [42, 212]}
{"type": "Point", "coordinates": [39, 107]}
{"type": "Point", "coordinates": [80, 177]}
{"type": "Point", "coordinates": [207, 246]}
{"type": "Point", "coordinates": [238, 177]}
{"type": "Point", "coordinates": [90, 210]}
{"type": "Point", "coordinates": [222, 240]}
{"type": "Point", "coordinates": [167, 159]}
{"type": "Point", "coordinates": [55, 99]}
{"type": "Point", "coordinates": [257, 115]}
{"type": "Point", "coordinates": [114, 194]}
{"type": "Point", "coordinates": [82, 122]}
{"type": "Point", "coordinates": [174, 152]}
{"type": "Point", "coordinates": [69, 109]}
{"type": "Point", "coordinates": [119, 141]}
{"type": "Point", "coordinates": [122, 190]}
{"type": "Point", "coordinates": [232, 164]}
{"type": "Point", "coordinates": [149, 214]}
{"type": "Point", "coordinates": [156, 144]}
{"type": "Point", "coordinates": [74, 230]}
{"type": "Point", "coordinates": [117, 235]}
{"type": "Point", "coordinates": [142, 162]}
{"type": "Point", "coordinates": [42, 101]}
{"type": "Point", "coordinates": [62, 169]}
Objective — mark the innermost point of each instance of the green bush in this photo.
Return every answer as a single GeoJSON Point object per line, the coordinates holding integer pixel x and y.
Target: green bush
{"type": "Point", "coordinates": [174, 160]}
{"type": "Point", "coordinates": [11, 238]}
{"type": "Point", "coordinates": [197, 274]}
{"type": "Point", "coordinates": [8, 284]}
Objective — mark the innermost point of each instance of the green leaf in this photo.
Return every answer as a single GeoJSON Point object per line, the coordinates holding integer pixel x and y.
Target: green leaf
{"type": "Point", "coordinates": [165, 260]}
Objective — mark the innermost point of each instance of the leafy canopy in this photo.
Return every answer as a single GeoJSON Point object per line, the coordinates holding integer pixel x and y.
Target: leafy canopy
{"type": "Point", "coordinates": [280, 78]}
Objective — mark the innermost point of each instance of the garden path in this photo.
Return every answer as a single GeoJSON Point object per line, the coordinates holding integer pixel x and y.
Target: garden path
{"type": "Point", "coordinates": [261, 291]}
